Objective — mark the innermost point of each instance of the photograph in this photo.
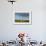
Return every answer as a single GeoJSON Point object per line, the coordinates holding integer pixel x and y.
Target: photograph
{"type": "Point", "coordinates": [22, 17]}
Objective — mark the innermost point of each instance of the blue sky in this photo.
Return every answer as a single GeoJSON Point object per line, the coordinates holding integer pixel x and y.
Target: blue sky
{"type": "Point", "coordinates": [20, 16]}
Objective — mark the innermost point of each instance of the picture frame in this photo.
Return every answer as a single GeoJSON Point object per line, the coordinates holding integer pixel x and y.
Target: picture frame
{"type": "Point", "coordinates": [22, 17]}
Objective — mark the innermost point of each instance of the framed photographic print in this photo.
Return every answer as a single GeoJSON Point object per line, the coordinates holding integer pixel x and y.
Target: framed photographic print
{"type": "Point", "coordinates": [22, 17]}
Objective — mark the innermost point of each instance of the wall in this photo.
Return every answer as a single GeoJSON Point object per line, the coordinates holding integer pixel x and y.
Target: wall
{"type": "Point", "coordinates": [9, 31]}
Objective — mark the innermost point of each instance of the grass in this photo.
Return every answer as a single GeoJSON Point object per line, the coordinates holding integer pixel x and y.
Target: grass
{"type": "Point", "coordinates": [21, 20]}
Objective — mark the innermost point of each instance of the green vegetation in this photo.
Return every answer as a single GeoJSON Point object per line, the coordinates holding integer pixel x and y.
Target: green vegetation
{"type": "Point", "coordinates": [21, 20]}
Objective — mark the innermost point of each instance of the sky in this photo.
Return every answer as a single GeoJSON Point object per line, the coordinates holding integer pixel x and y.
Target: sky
{"type": "Point", "coordinates": [20, 16]}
